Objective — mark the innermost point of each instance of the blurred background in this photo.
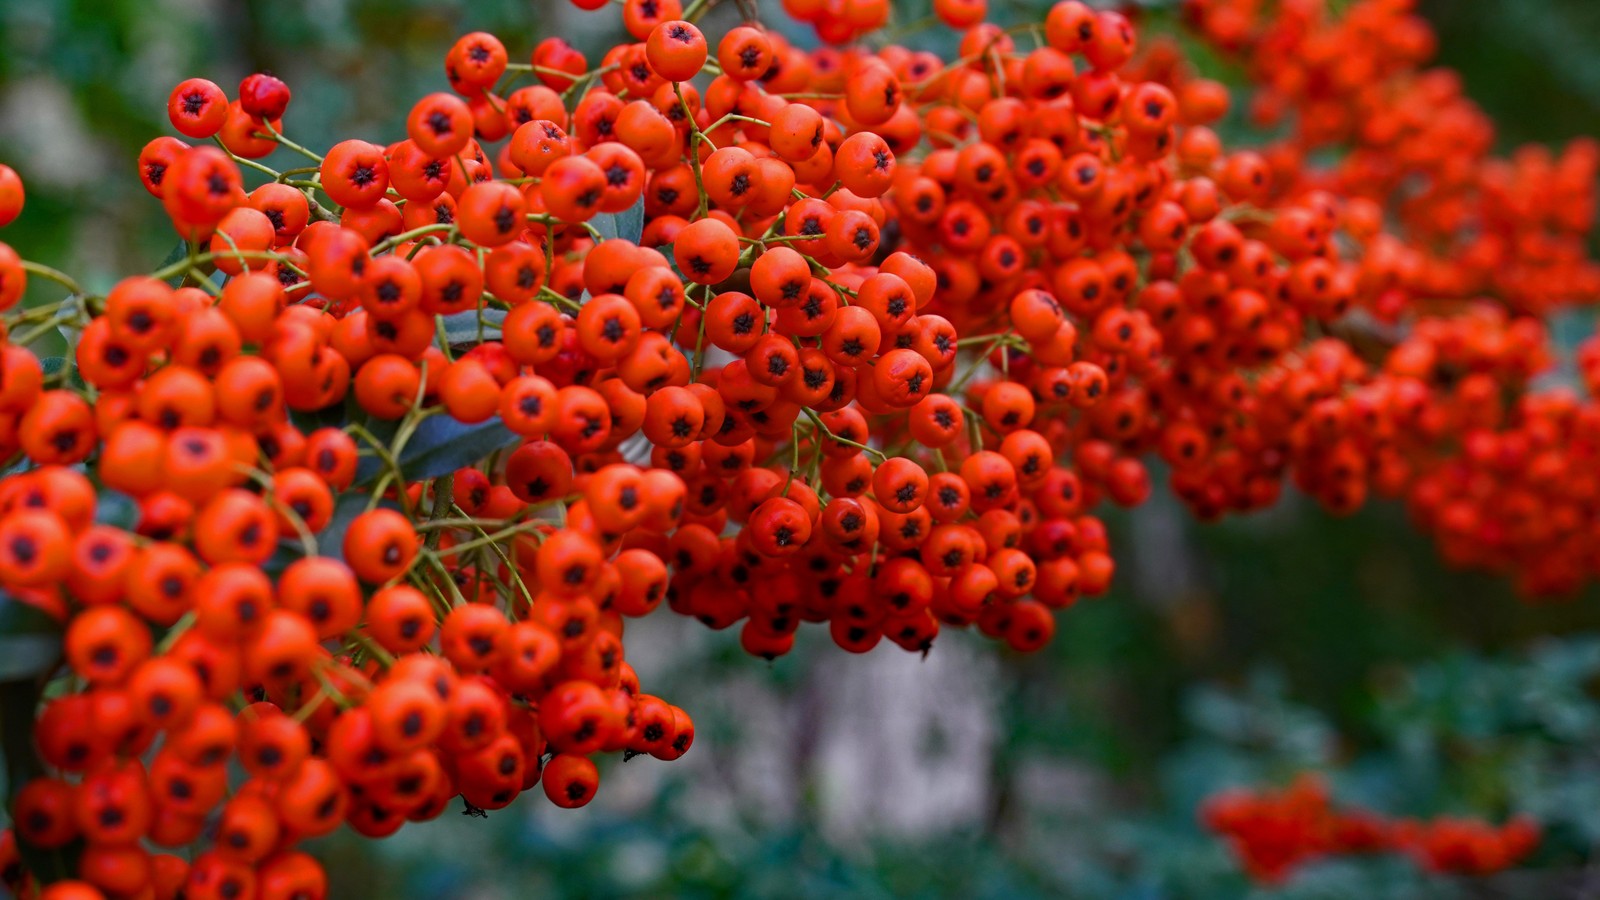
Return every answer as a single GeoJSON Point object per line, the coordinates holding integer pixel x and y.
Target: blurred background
{"type": "Point", "coordinates": [1233, 654]}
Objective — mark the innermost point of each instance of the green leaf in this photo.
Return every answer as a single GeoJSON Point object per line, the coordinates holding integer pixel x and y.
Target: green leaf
{"type": "Point", "coordinates": [18, 700]}
{"type": "Point", "coordinates": [53, 364]}
{"type": "Point", "coordinates": [628, 224]}
{"type": "Point", "coordinates": [442, 445]}
{"type": "Point", "coordinates": [116, 508]}
{"type": "Point", "coordinates": [439, 446]}
{"type": "Point", "coordinates": [30, 649]}
{"type": "Point", "coordinates": [179, 252]}
{"type": "Point", "coordinates": [288, 551]}
{"type": "Point", "coordinates": [333, 416]}
{"type": "Point", "coordinates": [368, 467]}
{"type": "Point", "coordinates": [30, 640]}
{"type": "Point", "coordinates": [462, 328]}
{"type": "Point", "coordinates": [672, 262]}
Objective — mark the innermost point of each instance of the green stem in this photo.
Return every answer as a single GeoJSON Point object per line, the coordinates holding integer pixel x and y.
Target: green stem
{"type": "Point", "coordinates": [696, 9]}
{"type": "Point", "coordinates": [516, 576]}
{"type": "Point", "coordinates": [308, 541]}
{"type": "Point", "coordinates": [38, 331]}
{"type": "Point", "coordinates": [443, 502]}
{"type": "Point", "coordinates": [372, 647]}
{"type": "Point", "coordinates": [413, 234]}
{"type": "Point", "coordinates": [433, 560]}
{"type": "Point", "coordinates": [56, 275]}
{"type": "Point", "coordinates": [823, 430]}
{"type": "Point", "coordinates": [182, 266]}
{"type": "Point", "coordinates": [734, 117]}
{"type": "Point", "coordinates": [302, 170]}
{"type": "Point", "coordinates": [277, 135]}
{"type": "Point", "coordinates": [977, 364]}
{"type": "Point", "coordinates": [248, 163]}
{"type": "Point", "coordinates": [329, 689]}
{"type": "Point", "coordinates": [491, 539]}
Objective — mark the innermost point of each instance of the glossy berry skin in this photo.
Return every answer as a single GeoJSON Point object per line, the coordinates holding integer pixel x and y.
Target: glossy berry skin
{"type": "Point", "coordinates": [11, 195]}
{"type": "Point", "coordinates": [263, 96]}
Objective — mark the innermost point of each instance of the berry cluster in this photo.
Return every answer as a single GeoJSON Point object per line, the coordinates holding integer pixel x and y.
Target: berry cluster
{"type": "Point", "coordinates": [851, 337]}
{"type": "Point", "coordinates": [1273, 833]}
{"type": "Point", "coordinates": [1429, 399]}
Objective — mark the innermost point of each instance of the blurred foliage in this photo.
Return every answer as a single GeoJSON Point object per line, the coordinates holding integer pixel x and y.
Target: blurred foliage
{"type": "Point", "coordinates": [1228, 654]}
{"type": "Point", "coordinates": [1531, 63]}
{"type": "Point", "coordinates": [1469, 734]}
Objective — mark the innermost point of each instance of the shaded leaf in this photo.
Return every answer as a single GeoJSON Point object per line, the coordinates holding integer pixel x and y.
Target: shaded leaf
{"type": "Point", "coordinates": [18, 700]}
{"type": "Point", "coordinates": [71, 334]}
{"type": "Point", "coordinates": [177, 253]}
{"type": "Point", "coordinates": [54, 364]}
{"type": "Point", "coordinates": [439, 446]}
{"type": "Point", "coordinates": [628, 224]}
{"type": "Point", "coordinates": [334, 416]}
{"type": "Point", "coordinates": [442, 445]}
{"type": "Point", "coordinates": [669, 252]}
{"type": "Point", "coordinates": [288, 551]}
{"type": "Point", "coordinates": [30, 640]}
{"type": "Point", "coordinates": [117, 509]}
{"type": "Point", "coordinates": [462, 328]}
{"type": "Point", "coordinates": [368, 467]}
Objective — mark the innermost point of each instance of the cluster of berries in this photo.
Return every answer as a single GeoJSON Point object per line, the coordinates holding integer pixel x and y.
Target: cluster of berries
{"type": "Point", "coordinates": [1459, 257]}
{"type": "Point", "coordinates": [770, 336]}
{"type": "Point", "coordinates": [1274, 832]}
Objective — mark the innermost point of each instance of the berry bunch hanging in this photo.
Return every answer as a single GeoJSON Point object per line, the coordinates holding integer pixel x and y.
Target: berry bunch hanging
{"type": "Point", "coordinates": [848, 337]}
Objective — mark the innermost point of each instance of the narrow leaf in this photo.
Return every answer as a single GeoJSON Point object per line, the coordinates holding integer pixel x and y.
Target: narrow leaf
{"type": "Point", "coordinates": [628, 224]}
{"type": "Point", "coordinates": [462, 328]}
{"type": "Point", "coordinates": [442, 445]}
{"type": "Point", "coordinates": [439, 446]}
{"type": "Point", "coordinates": [116, 508]}
{"type": "Point", "coordinates": [179, 252]}
{"type": "Point", "coordinates": [30, 640]}
{"type": "Point", "coordinates": [18, 700]}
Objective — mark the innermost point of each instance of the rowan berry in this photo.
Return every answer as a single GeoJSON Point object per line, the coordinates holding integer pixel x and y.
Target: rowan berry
{"type": "Point", "coordinates": [235, 526]}
{"type": "Point", "coordinates": [676, 49]}
{"type": "Point", "coordinates": [570, 780]}
{"type": "Point", "coordinates": [200, 187]}
{"type": "Point", "coordinates": [380, 545]}
{"type": "Point", "coordinates": [865, 165]}
{"type": "Point", "coordinates": [491, 213]}
{"type": "Point", "coordinates": [11, 195]}
{"type": "Point", "coordinates": [197, 108]}
{"type": "Point", "coordinates": [706, 251]}
{"type": "Point", "coordinates": [355, 173]}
